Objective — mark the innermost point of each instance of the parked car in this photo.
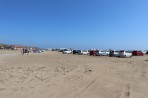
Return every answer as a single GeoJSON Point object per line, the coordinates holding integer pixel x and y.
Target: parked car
{"type": "Point", "coordinates": [105, 53]}
{"type": "Point", "coordinates": [83, 52]}
{"type": "Point", "coordinates": [113, 53]}
{"type": "Point", "coordinates": [92, 52]}
{"type": "Point", "coordinates": [102, 53]}
{"type": "Point", "coordinates": [36, 51]}
{"type": "Point", "coordinates": [66, 51]}
{"type": "Point", "coordinates": [79, 52]}
{"type": "Point", "coordinates": [124, 54]}
{"type": "Point", "coordinates": [75, 52]}
{"type": "Point", "coordinates": [98, 53]}
{"type": "Point", "coordinates": [144, 52]}
{"type": "Point", "coordinates": [147, 52]}
{"type": "Point", "coordinates": [137, 53]}
{"type": "Point", "coordinates": [61, 49]}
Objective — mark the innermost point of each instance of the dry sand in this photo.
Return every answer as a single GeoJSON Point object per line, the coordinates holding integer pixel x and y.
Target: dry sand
{"type": "Point", "coordinates": [56, 75]}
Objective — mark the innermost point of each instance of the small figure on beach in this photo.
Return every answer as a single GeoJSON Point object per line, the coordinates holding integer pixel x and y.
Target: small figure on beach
{"type": "Point", "coordinates": [22, 51]}
{"type": "Point", "coordinates": [26, 51]}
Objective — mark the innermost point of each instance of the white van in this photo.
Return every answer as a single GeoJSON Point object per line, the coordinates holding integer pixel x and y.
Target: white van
{"type": "Point", "coordinates": [102, 53]}
{"type": "Point", "coordinates": [83, 52]}
{"type": "Point", "coordinates": [124, 54]}
{"type": "Point", "coordinates": [66, 51]}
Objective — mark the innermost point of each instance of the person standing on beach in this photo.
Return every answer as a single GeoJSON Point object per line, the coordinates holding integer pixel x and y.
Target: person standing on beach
{"type": "Point", "coordinates": [22, 51]}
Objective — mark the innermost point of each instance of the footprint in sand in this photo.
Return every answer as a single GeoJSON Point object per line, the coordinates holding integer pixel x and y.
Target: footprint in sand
{"type": "Point", "coordinates": [126, 92]}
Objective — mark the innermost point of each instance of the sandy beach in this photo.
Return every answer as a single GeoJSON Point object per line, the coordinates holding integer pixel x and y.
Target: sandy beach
{"type": "Point", "coordinates": [57, 75]}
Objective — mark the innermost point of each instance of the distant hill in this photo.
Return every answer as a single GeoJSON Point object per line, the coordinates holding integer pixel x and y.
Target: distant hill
{"type": "Point", "coordinates": [13, 47]}
{"type": "Point", "coordinates": [6, 46]}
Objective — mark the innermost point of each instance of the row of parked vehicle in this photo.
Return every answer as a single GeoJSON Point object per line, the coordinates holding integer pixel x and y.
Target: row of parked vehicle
{"type": "Point", "coordinates": [110, 53]}
{"type": "Point", "coordinates": [80, 52]}
{"type": "Point", "coordinates": [113, 53]}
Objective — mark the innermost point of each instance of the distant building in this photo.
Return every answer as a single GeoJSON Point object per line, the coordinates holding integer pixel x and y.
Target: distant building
{"type": "Point", "coordinates": [18, 47]}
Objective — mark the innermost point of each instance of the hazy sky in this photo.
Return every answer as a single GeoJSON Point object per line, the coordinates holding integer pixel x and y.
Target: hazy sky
{"type": "Point", "coordinates": [102, 24]}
